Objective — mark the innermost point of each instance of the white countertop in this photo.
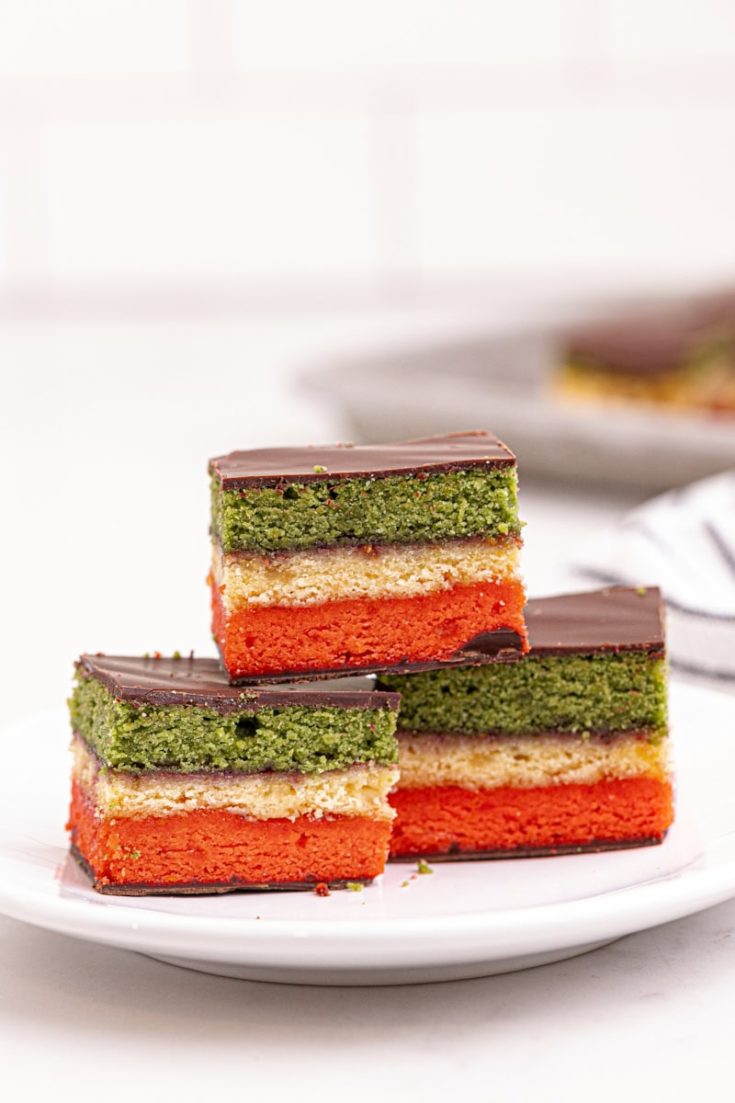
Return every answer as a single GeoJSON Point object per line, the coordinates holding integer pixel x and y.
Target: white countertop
{"type": "Point", "coordinates": [105, 434]}
{"type": "Point", "coordinates": [647, 1018]}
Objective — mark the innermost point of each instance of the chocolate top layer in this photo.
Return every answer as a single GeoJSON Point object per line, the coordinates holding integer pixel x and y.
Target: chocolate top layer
{"type": "Point", "coordinates": [201, 682]}
{"type": "Point", "coordinates": [614, 619]}
{"type": "Point", "coordinates": [717, 309]}
{"type": "Point", "coordinates": [650, 345]}
{"type": "Point", "coordinates": [329, 462]}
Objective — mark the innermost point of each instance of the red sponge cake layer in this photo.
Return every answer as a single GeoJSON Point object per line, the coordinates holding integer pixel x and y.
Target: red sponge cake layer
{"type": "Point", "coordinates": [363, 633]}
{"type": "Point", "coordinates": [452, 820]}
{"type": "Point", "coordinates": [207, 849]}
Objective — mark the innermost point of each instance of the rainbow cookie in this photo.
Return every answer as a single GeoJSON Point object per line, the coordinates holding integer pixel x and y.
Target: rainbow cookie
{"type": "Point", "coordinates": [355, 558]}
{"type": "Point", "coordinates": [681, 360]}
{"type": "Point", "coordinates": [565, 749]}
{"type": "Point", "coordinates": [182, 783]}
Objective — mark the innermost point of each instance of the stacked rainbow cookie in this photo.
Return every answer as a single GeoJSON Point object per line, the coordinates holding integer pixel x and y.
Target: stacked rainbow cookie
{"type": "Point", "coordinates": [184, 783]}
{"type": "Point", "coordinates": [356, 558]}
{"type": "Point", "coordinates": [402, 561]}
{"type": "Point", "coordinates": [564, 750]}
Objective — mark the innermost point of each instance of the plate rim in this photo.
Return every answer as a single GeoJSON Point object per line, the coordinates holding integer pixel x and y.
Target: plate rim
{"type": "Point", "coordinates": [672, 897]}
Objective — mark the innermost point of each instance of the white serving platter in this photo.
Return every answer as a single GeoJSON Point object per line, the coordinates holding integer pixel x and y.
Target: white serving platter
{"type": "Point", "coordinates": [504, 381]}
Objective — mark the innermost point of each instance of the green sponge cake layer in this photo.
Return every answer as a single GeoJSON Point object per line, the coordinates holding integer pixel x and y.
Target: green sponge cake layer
{"type": "Point", "coordinates": [390, 510]}
{"type": "Point", "coordinates": [595, 693]}
{"type": "Point", "coordinates": [137, 735]}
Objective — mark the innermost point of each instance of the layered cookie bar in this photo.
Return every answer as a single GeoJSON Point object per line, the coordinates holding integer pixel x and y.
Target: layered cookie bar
{"type": "Point", "coordinates": [564, 750]}
{"type": "Point", "coordinates": [183, 783]}
{"type": "Point", "coordinates": [683, 360]}
{"type": "Point", "coordinates": [338, 558]}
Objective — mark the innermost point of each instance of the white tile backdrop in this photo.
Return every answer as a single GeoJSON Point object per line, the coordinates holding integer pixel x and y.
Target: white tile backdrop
{"type": "Point", "coordinates": [93, 38]}
{"type": "Point", "coordinates": [160, 148]}
{"type": "Point", "coordinates": [342, 36]}
{"type": "Point", "coordinates": [257, 196]}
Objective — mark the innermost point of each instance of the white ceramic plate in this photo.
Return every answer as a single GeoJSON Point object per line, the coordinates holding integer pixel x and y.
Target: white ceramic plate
{"type": "Point", "coordinates": [467, 919]}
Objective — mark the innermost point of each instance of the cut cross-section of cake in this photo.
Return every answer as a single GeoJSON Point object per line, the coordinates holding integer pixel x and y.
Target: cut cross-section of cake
{"type": "Point", "coordinates": [564, 750]}
{"type": "Point", "coordinates": [337, 558]}
{"type": "Point", "coordinates": [182, 783]}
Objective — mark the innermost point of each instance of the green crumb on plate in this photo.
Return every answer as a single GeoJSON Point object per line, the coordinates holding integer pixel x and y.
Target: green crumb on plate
{"type": "Point", "coordinates": [423, 867]}
{"type": "Point", "coordinates": [176, 655]}
{"type": "Point", "coordinates": [355, 886]}
{"type": "Point", "coordinates": [318, 469]}
{"type": "Point", "coordinates": [404, 884]}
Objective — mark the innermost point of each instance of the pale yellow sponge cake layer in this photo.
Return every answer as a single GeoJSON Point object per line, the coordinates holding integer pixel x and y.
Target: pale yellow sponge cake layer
{"type": "Point", "coordinates": [526, 761]}
{"type": "Point", "coordinates": [331, 574]}
{"type": "Point", "coordinates": [357, 791]}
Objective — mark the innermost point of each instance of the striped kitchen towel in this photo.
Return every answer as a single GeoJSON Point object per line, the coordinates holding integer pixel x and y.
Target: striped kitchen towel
{"type": "Point", "coordinates": [684, 542]}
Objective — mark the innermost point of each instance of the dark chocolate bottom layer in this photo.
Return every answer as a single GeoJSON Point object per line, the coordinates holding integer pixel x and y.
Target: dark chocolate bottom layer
{"type": "Point", "coordinates": [507, 649]}
{"type": "Point", "coordinates": [597, 847]}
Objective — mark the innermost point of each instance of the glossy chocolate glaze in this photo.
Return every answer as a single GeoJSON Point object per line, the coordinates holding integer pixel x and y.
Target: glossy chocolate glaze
{"type": "Point", "coordinates": [162, 682]}
{"type": "Point", "coordinates": [639, 345]}
{"type": "Point", "coordinates": [330, 462]}
{"type": "Point", "coordinates": [617, 618]}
